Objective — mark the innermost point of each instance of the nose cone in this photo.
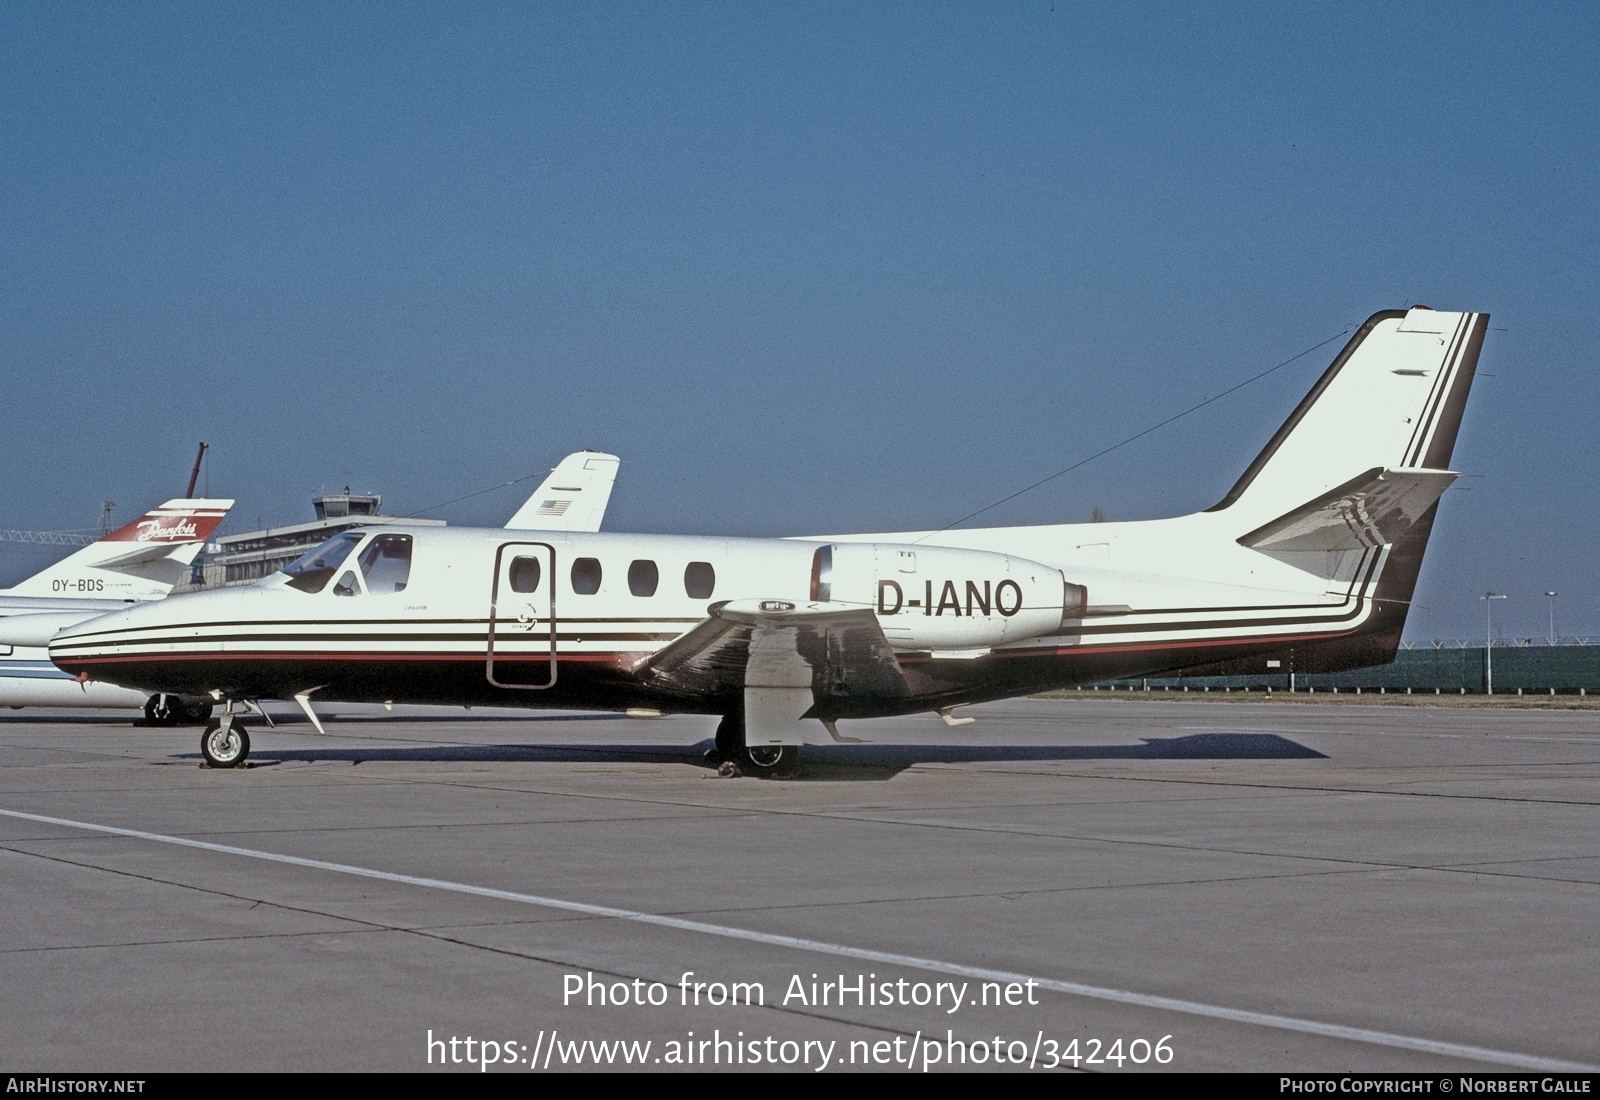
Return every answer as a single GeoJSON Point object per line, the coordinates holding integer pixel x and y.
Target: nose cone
{"type": "Point", "coordinates": [94, 646]}
{"type": "Point", "coordinates": [150, 646]}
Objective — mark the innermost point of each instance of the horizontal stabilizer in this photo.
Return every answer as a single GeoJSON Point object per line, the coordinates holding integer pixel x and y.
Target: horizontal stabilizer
{"type": "Point", "coordinates": [573, 497]}
{"type": "Point", "coordinates": [144, 555]}
{"type": "Point", "coordinates": [759, 642]}
{"type": "Point", "coordinates": [1371, 510]}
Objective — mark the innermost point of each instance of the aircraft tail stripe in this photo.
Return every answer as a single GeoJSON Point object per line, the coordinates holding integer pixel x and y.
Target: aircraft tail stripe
{"type": "Point", "coordinates": [1439, 386]}
{"type": "Point", "coordinates": [1443, 385]}
{"type": "Point", "coordinates": [1441, 444]}
{"type": "Point", "coordinates": [1172, 644]}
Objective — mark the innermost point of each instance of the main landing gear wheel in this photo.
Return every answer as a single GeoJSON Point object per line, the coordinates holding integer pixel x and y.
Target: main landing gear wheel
{"type": "Point", "coordinates": [773, 761]}
{"type": "Point", "coordinates": [225, 746]}
{"type": "Point", "coordinates": [766, 761]}
{"type": "Point", "coordinates": [192, 711]}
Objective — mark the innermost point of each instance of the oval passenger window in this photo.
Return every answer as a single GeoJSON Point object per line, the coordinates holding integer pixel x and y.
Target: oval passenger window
{"type": "Point", "coordinates": [643, 578]}
{"type": "Point", "coordinates": [586, 576]}
{"type": "Point", "coordinates": [525, 575]}
{"type": "Point", "coordinates": [699, 579]}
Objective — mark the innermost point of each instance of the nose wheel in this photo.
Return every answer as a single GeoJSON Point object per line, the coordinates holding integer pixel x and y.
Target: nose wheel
{"type": "Point", "coordinates": [225, 744]}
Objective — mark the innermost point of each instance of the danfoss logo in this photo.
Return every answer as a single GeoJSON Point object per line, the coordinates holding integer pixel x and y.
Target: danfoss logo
{"type": "Point", "coordinates": [151, 530]}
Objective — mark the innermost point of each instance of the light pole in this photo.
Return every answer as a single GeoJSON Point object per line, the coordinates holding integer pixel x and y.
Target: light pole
{"type": "Point", "coordinates": [1552, 596]}
{"type": "Point", "coordinates": [1488, 599]}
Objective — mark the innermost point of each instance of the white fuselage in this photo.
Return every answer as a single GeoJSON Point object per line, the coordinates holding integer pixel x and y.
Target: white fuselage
{"type": "Point", "coordinates": [1308, 563]}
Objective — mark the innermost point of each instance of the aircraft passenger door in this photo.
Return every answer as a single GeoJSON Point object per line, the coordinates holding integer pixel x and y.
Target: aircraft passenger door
{"type": "Point", "coordinates": [522, 617]}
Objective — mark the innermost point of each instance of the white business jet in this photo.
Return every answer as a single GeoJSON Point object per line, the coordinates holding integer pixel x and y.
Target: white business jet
{"type": "Point", "coordinates": [139, 561]}
{"type": "Point", "coordinates": [111, 573]}
{"type": "Point", "coordinates": [1308, 563]}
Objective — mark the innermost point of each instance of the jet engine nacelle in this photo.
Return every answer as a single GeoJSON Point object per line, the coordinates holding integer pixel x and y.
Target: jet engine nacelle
{"type": "Point", "coordinates": [963, 602]}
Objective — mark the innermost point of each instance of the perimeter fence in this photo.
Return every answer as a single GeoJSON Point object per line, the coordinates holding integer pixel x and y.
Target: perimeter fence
{"type": "Point", "coordinates": [1571, 666]}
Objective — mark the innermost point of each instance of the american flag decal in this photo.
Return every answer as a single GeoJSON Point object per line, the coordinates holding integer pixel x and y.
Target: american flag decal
{"type": "Point", "coordinates": [554, 507]}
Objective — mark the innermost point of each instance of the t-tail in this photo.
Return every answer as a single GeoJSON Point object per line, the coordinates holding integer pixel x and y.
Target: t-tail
{"type": "Point", "coordinates": [141, 560]}
{"type": "Point", "coordinates": [573, 497]}
{"type": "Point", "coordinates": [1360, 465]}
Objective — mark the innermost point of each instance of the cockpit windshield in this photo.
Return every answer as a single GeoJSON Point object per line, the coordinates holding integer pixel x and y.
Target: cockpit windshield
{"type": "Point", "coordinates": [386, 564]}
{"type": "Point", "coordinates": [311, 571]}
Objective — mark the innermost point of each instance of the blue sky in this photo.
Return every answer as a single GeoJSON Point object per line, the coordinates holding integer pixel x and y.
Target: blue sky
{"type": "Point", "coordinates": [804, 267]}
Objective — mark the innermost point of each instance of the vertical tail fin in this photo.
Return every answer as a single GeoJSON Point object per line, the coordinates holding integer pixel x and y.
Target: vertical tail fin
{"type": "Point", "coordinates": [141, 560]}
{"type": "Point", "coordinates": [1392, 400]}
{"type": "Point", "coordinates": [573, 497]}
{"type": "Point", "coordinates": [1355, 474]}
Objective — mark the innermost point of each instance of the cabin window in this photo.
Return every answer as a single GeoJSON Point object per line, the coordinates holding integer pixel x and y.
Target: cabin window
{"type": "Point", "coordinates": [699, 579]}
{"type": "Point", "coordinates": [586, 576]}
{"type": "Point", "coordinates": [311, 571]}
{"type": "Point", "coordinates": [386, 564]}
{"type": "Point", "coordinates": [643, 576]}
{"type": "Point", "coordinates": [524, 575]}
{"type": "Point", "coordinates": [348, 585]}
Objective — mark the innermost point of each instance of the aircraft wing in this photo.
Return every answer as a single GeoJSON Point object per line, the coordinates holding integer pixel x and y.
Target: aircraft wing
{"type": "Point", "coordinates": [1372, 509]}
{"type": "Point", "coordinates": [573, 497]}
{"type": "Point", "coordinates": [776, 644]}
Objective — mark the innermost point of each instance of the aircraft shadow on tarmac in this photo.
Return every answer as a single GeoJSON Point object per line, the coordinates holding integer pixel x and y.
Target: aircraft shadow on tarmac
{"type": "Point", "coordinates": [822, 762]}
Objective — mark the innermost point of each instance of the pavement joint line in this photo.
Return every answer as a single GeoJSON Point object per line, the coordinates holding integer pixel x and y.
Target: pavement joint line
{"type": "Point", "coordinates": [954, 807]}
{"type": "Point", "coordinates": [1283, 789]}
{"type": "Point", "coordinates": [1298, 789]}
{"type": "Point", "coordinates": [1343, 864]}
{"type": "Point", "coordinates": [1279, 790]}
{"type": "Point", "coordinates": [1016, 895]}
{"type": "Point", "coordinates": [1358, 868]}
{"type": "Point", "coordinates": [1344, 1032]}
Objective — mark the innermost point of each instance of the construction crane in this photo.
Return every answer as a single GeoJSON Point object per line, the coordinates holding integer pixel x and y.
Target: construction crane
{"type": "Point", "coordinates": [48, 538]}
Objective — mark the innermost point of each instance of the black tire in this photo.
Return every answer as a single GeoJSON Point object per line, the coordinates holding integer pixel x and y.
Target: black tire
{"type": "Point", "coordinates": [193, 710]}
{"type": "Point", "coordinates": [730, 738]}
{"type": "Point", "coordinates": [227, 751]}
{"type": "Point", "coordinates": [772, 761]}
{"type": "Point", "coordinates": [161, 710]}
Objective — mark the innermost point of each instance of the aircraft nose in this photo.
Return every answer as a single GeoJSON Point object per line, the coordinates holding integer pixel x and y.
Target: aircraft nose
{"type": "Point", "coordinates": [85, 645]}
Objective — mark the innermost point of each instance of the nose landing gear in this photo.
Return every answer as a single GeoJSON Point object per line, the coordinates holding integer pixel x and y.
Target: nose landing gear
{"type": "Point", "coordinates": [225, 743]}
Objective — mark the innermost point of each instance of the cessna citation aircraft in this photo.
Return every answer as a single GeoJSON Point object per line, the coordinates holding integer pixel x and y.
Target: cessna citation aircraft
{"type": "Point", "coordinates": [141, 560]}
{"type": "Point", "coordinates": [1308, 563]}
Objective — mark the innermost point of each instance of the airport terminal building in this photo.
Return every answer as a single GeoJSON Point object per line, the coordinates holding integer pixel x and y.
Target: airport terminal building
{"type": "Point", "coordinates": [247, 557]}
